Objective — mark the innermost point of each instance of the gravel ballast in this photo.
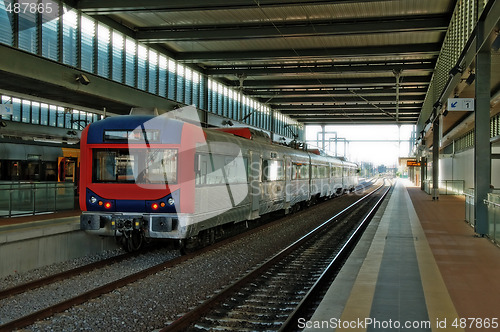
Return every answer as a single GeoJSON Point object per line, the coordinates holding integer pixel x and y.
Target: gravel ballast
{"type": "Point", "coordinates": [153, 302]}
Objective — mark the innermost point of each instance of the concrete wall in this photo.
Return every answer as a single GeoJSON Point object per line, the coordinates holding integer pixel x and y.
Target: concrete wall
{"type": "Point", "coordinates": [27, 248]}
{"type": "Point", "coordinates": [461, 167]}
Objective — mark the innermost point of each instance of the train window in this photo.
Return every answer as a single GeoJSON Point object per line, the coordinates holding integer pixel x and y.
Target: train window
{"type": "Point", "coordinates": [155, 166]}
{"type": "Point", "coordinates": [273, 170]}
{"type": "Point", "coordinates": [214, 169]}
{"type": "Point", "coordinates": [146, 135]}
{"type": "Point", "coordinates": [300, 171]}
{"type": "Point", "coordinates": [161, 166]}
{"type": "Point", "coordinates": [314, 171]}
{"type": "Point", "coordinates": [295, 171]}
{"type": "Point", "coordinates": [322, 172]}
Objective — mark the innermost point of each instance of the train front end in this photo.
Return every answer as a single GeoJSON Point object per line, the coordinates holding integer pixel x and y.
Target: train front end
{"type": "Point", "coordinates": [136, 181]}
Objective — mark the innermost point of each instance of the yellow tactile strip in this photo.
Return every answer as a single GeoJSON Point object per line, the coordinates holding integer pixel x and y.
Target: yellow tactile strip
{"type": "Point", "coordinates": [440, 307]}
{"type": "Point", "coordinates": [439, 304]}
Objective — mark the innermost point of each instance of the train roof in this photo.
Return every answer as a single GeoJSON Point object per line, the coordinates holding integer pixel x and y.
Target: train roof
{"type": "Point", "coordinates": [170, 130]}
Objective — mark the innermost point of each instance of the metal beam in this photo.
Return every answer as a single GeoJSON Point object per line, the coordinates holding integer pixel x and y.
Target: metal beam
{"type": "Point", "coordinates": [352, 116]}
{"type": "Point", "coordinates": [313, 68]}
{"type": "Point", "coordinates": [104, 7]}
{"type": "Point", "coordinates": [388, 50]}
{"type": "Point", "coordinates": [295, 29]}
{"type": "Point", "coordinates": [388, 92]}
{"type": "Point", "coordinates": [337, 82]}
{"type": "Point", "coordinates": [352, 99]}
{"type": "Point", "coordinates": [291, 109]}
{"type": "Point", "coordinates": [348, 120]}
{"type": "Point", "coordinates": [367, 112]}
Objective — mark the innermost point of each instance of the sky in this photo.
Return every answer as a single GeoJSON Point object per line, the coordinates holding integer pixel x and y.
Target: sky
{"type": "Point", "coordinates": [378, 152]}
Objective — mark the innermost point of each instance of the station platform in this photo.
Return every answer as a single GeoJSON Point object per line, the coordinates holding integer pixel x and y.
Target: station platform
{"type": "Point", "coordinates": [30, 242]}
{"type": "Point", "coordinates": [418, 267]}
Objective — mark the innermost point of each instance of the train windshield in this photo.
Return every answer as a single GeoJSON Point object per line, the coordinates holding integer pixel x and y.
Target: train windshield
{"type": "Point", "coordinates": [154, 166]}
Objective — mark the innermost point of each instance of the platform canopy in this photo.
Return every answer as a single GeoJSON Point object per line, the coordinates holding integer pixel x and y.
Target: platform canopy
{"type": "Point", "coordinates": [343, 61]}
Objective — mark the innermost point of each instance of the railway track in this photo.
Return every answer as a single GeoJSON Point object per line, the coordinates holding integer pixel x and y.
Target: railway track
{"type": "Point", "coordinates": [95, 267]}
{"type": "Point", "coordinates": [277, 293]}
{"type": "Point", "coordinates": [83, 297]}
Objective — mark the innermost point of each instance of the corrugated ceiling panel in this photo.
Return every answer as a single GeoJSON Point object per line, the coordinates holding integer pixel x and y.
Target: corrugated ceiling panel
{"type": "Point", "coordinates": [287, 13]}
{"type": "Point", "coordinates": [278, 14]}
{"type": "Point", "coordinates": [297, 43]}
{"type": "Point", "coordinates": [353, 58]}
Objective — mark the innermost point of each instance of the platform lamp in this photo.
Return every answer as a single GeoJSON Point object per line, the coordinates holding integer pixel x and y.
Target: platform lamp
{"type": "Point", "coordinates": [470, 79]}
{"type": "Point", "coordinates": [455, 70]}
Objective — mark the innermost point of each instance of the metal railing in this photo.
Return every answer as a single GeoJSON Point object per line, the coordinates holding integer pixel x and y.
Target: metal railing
{"type": "Point", "coordinates": [493, 204]}
{"type": "Point", "coordinates": [21, 198]}
{"type": "Point", "coordinates": [446, 187]}
{"type": "Point", "coordinates": [470, 215]}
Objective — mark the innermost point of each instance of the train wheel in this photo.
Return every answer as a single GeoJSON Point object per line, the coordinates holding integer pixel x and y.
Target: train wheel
{"type": "Point", "coordinates": [133, 240]}
{"type": "Point", "coordinates": [181, 245]}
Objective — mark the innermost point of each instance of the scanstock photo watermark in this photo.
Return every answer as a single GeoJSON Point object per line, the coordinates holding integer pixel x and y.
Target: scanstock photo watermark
{"type": "Point", "coordinates": [373, 323]}
{"type": "Point", "coordinates": [26, 13]}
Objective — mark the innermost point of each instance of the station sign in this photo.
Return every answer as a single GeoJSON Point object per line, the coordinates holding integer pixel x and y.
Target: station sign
{"type": "Point", "coordinates": [412, 163]}
{"type": "Point", "coordinates": [460, 104]}
{"type": "Point", "coordinates": [6, 109]}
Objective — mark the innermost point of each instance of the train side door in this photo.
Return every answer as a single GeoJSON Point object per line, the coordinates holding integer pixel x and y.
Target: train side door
{"type": "Point", "coordinates": [288, 172]}
{"type": "Point", "coordinates": [254, 181]}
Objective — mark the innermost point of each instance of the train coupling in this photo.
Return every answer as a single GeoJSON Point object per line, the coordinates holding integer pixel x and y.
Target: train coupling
{"type": "Point", "coordinates": [94, 221]}
{"type": "Point", "coordinates": [126, 224]}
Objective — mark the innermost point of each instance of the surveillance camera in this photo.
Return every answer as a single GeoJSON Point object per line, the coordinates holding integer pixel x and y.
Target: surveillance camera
{"type": "Point", "coordinates": [83, 79]}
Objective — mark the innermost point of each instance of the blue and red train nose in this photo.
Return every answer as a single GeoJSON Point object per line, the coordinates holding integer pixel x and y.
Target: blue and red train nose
{"type": "Point", "coordinates": [166, 204]}
{"type": "Point", "coordinates": [97, 203]}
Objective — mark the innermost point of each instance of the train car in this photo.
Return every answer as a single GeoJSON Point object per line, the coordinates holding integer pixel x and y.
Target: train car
{"type": "Point", "coordinates": [20, 161]}
{"type": "Point", "coordinates": [144, 177]}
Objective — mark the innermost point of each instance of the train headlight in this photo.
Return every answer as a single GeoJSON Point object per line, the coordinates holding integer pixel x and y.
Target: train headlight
{"type": "Point", "coordinates": [93, 200]}
{"type": "Point", "coordinates": [154, 206]}
{"type": "Point", "coordinates": [107, 205]}
{"type": "Point", "coordinates": [171, 201]}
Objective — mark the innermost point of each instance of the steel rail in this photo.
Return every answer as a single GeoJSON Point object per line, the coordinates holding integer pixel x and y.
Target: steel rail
{"type": "Point", "coordinates": [64, 275]}
{"type": "Point", "coordinates": [292, 322]}
{"type": "Point", "coordinates": [185, 321]}
{"type": "Point", "coordinates": [82, 298]}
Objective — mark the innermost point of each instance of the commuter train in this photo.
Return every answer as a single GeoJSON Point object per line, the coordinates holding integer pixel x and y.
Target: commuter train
{"type": "Point", "coordinates": [145, 177]}
{"type": "Point", "coordinates": [22, 162]}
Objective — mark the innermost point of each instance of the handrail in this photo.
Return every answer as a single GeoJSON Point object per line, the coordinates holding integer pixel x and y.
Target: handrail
{"type": "Point", "coordinates": [488, 203]}
{"type": "Point", "coordinates": [22, 198]}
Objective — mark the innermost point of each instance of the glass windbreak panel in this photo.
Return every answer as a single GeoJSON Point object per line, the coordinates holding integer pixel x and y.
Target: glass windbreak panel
{"type": "Point", "coordinates": [69, 37]}
{"type": "Point", "coordinates": [27, 36]}
{"type": "Point", "coordinates": [87, 44]}
{"type": "Point", "coordinates": [6, 20]}
{"type": "Point", "coordinates": [145, 136]}
{"type": "Point", "coordinates": [118, 55]}
{"type": "Point", "coordinates": [103, 49]}
{"type": "Point", "coordinates": [50, 44]}
{"type": "Point", "coordinates": [154, 166]}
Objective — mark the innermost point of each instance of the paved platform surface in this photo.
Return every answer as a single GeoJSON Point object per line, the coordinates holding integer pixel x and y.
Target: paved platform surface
{"type": "Point", "coordinates": [418, 267]}
{"type": "Point", "coordinates": [19, 220]}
